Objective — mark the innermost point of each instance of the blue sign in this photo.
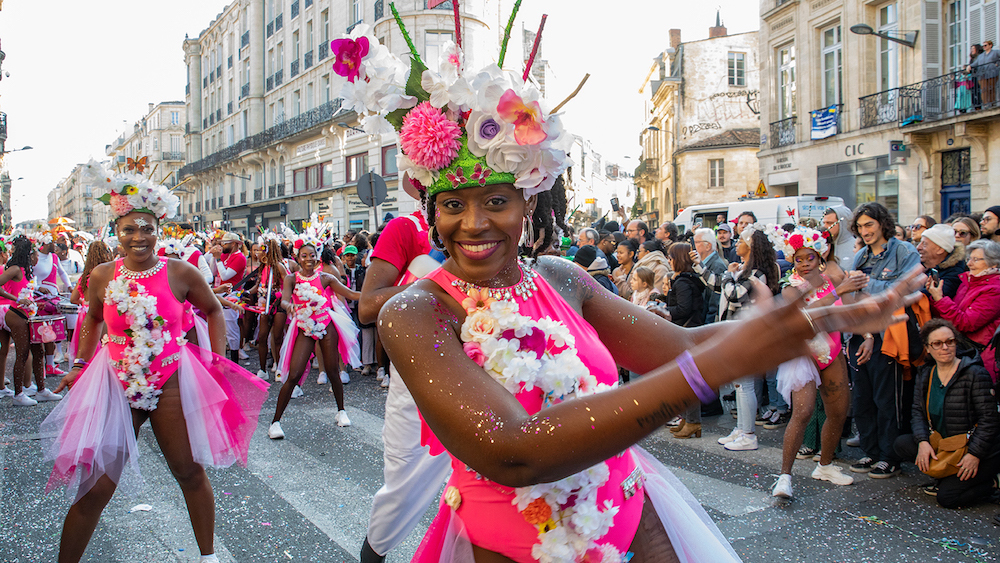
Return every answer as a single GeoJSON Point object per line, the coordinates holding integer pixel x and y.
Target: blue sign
{"type": "Point", "coordinates": [824, 122]}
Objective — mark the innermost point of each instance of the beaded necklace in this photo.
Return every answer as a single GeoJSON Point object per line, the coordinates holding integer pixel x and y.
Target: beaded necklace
{"type": "Point", "coordinates": [523, 289]}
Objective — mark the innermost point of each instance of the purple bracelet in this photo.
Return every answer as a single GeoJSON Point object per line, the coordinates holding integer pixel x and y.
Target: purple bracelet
{"type": "Point", "coordinates": [694, 378]}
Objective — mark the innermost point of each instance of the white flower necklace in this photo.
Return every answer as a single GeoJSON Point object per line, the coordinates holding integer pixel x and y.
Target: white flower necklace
{"type": "Point", "coordinates": [819, 345]}
{"type": "Point", "coordinates": [312, 302]}
{"type": "Point", "coordinates": [27, 293]}
{"type": "Point", "coordinates": [146, 337]}
{"type": "Point", "coordinates": [521, 353]}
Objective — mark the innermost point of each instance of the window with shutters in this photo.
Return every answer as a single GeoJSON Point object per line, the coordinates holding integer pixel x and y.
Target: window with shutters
{"type": "Point", "coordinates": [958, 43]}
{"type": "Point", "coordinates": [888, 60]}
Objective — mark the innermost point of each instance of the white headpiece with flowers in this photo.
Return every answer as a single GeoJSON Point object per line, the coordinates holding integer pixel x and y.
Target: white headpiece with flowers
{"type": "Point", "coordinates": [804, 237]}
{"type": "Point", "coordinates": [128, 192]}
{"type": "Point", "coordinates": [457, 129]}
{"type": "Point", "coordinates": [774, 233]}
{"type": "Point", "coordinates": [173, 246]}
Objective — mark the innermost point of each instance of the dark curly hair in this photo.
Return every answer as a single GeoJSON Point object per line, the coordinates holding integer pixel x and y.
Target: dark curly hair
{"type": "Point", "coordinates": [763, 259]}
{"type": "Point", "coordinates": [876, 211]}
{"type": "Point", "coordinates": [20, 254]}
{"type": "Point", "coordinates": [550, 211]}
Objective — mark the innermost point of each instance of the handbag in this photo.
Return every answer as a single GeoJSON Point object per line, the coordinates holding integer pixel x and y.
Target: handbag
{"type": "Point", "coordinates": [950, 450]}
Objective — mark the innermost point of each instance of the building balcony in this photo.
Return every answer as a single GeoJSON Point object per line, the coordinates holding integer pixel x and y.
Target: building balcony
{"type": "Point", "coordinates": [272, 192]}
{"type": "Point", "coordinates": [243, 197]}
{"type": "Point", "coordinates": [171, 155]}
{"type": "Point", "coordinates": [245, 40]}
{"type": "Point", "coordinates": [783, 132]}
{"type": "Point", "coordinates": [232, 199]}
{"type": "Point", "coordinates": [295, 9]}
{"type": "Point", "coordinates": [294, 71]}
{"type": "Point", "coordinates": [355, 24]}
{"type": "Point", "coordinates": [218, 115]}
{"type": "Point", "coordinates": [270, 28]}
{"type": "Point", "coordinates": [379, 9]}
{"type": "Point", "coordinates": [218, 71]}
{"type": "Point", "coordinates": [307, 60]}
{"type": "Point", "coordinates": [229, 108]}
{"type": "Point", "coordinates": [258, 194]}
{"type": "Point", "coordinates": [270, 82]}
{"type": "Point", "coordinates": [826, 122]}
{"type": "Point", "coordinates": [309, 3]}
{"type": "Point", "coordinates": [281, 190]}
{"type": "Point", "coordinates": [278, 77]}
{"type": "Point", "coordinates": [245, 90]}
{"type": "Point", "coordinates": [278, 22]}
{"type": "Point", "coordinates": [324, 50]}
{"type": "Point", "coordinates": [229, 62]}
{"type": "Point", "coordinates": [211, 77]}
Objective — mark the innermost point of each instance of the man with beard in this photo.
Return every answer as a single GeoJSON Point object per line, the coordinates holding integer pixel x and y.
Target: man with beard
{"type": "Point", "coordinates": [990, 224]}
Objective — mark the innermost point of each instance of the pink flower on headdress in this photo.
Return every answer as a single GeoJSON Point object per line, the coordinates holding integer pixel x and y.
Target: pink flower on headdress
{"type": "Point", "coordinates": [347, 55]}
{"type": "Point", "coordinates": [429, 138]}
{"type": "Point", "coordinates": [120, 205]}
{"type": "Point", "coordinates": [796, 241]}
{"type": "Point", "coordinates": [529, 129]}
{"type": "Point", "coordinates": [480, 174]}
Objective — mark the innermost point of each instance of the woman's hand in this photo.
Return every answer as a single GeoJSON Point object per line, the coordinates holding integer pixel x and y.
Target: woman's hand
{"type": "Point", "coordinates": [24, 302]}
{"type": "Point", "coordinates": [853, 281]}
{"type": "Point", "coordinates": [968, 467]}
{"type": "Point", "coordinates": [935, 289]}
{"type": "Point", "coordinates": [733, 266]}
{"type": "Point", "coordinates": [925, 453]}
{"type": "Point", "coordinates": [865, 351]}
{"type": "Point", "coordinates": [695, 257]}
{"type": "Point", "coordinates": [69, 379]}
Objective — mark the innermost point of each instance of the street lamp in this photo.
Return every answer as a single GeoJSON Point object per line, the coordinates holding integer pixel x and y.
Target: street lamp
{"type": "Point", "coordinates": [909, 37]}
{"type": "Point", "coordinates": [24, 148]}
{"type": "Point", "coordinates": [343, 125]}
{"type": "Point", "coordinates": [238, 176]}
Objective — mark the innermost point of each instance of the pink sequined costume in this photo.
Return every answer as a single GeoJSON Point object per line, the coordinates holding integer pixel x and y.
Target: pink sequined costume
{"type": "Point", "coordinates": [795, 374]}
{"type": "Point", "coordinates": [74, 343]}
{"type": "Point", "coordinates": [347, 344]}
{"type": "Point", "coordinates": [14, 288]}
{"type": "Point", "coordinates": [90, 432]}
{"type": "Point", "coordinates": [487, 518]}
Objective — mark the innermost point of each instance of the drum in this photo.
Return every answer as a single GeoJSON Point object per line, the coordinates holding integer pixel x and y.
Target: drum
{"type": "Point", "coordinates": [47, 328]}
{"type": "Point", "coordinates": [67, 308]}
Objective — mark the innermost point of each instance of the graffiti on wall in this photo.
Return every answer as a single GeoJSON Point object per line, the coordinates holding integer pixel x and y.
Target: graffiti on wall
{"type": "Point", "coordinates": [723, 109]}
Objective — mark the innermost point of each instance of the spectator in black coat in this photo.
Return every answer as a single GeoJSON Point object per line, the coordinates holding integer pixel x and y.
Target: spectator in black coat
{"type": "Point", "coordinates": [954, 395]}
{"type": "Point", "coordinates": [596, 266]}
{"type": "Point", "coordinates": [943, 257]}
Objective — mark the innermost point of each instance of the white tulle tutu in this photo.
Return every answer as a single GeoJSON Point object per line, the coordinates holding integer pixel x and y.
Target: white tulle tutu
{"type": "Point", "coordinates": [348, 344]}
{"type": "Point", "coordinates": [795, 374]}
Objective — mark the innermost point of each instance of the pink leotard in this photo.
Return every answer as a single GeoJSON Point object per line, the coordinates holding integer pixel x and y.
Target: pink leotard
{"type": "Point", "coordinates": [322, 318]}
{"type": "Point", "coordinates": [178, 320]}
{"type": "Point", "coordinates": [491, 521]}
{"type": "Point", "coordinates": [827, 288]}
{"type": "Point", "coordinates": [14, 288]}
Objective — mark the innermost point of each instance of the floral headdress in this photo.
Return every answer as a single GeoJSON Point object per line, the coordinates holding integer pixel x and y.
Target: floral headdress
{"type": "Point", "coordinates": [804, 237]}
{"type": "Point", "coordinates": [773, 232]}
{"type": "Point", "coordinates": [457, 129]}
{"type": "Point", "coordinates": [128, 192]}
{"type": "Point", "coordinates": [173, 246]}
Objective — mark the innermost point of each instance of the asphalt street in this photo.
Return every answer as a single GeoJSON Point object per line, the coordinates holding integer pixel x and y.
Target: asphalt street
{"type": "Point", "coordinates": [307, 497]}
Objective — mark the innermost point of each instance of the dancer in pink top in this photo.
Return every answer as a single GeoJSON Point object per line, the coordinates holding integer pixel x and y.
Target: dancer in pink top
{"type": "Point", "coordinates": [314, 320]}
{"type": "Point", "coordinates": [154, 366]}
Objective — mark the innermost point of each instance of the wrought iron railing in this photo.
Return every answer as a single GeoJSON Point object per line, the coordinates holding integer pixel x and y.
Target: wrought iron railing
{"type": "Point", "coordinates": [219, 203]}
{"type": "Point", "coordinates": [245, 90]}
{"type": "Point", "coordinates": [229, 108]}
{"type": "Point", "coordinates": [379, 9]}
{"type": "Point", "coordinates": [353, 25]}
{"type": "Point", "coordinates": [879, 108]}
{"type": "Point", "coordinates": [187, 89]}
{"type": "Point", "coordinates": [839, 118]}
{"type": "Point", "coordinates": [218, 115]}
{"type": "Point", "coordinates": [307, 60]}
{"type": "Point", "coordinates": [171, 155]}
{"type": "Point", "coordinates": [281, 190]}
{"type": "Point", "coordinates": [316, 117]}
{"type": "Point", "coordinates": [272, 192]}
{"type": "Point", "coordinates": [229, 62]}
{"type": "Point", "coordinates": [232, 199]}
{"type": "Point", "coordinates": [783, 132]}
{"type": "Point", "coordinates": [204, 82]}
{"type": "Point", "coordinates": [270, 28]}
{"type": "Point", "coordinates": [295, 9]}
{"type": "Point", "coordinates": [277, 22]}
{"type": "Point", "coordinates": [258, 194]}
{"type": "Point", "coordinates": [204, 123]}
{"type": "Point", "coordinates": [270, 82]}
{"type": "Point", "coordinates": [245, 39]}
{"type": "Point", "coordinates": [294, 71]}
{"type": "Point", "coordinates": [243, 197]}
{"type": "Point", "coordinates": [3, 126]}
{"type": "Point", "coordinates": [218, 71]}
{"type": "Point", "coordinates": [309, 3]}
{"type": "Point", "coordinates": [278, 77]}
{"type": "Point", "coordinates": [324, 50]}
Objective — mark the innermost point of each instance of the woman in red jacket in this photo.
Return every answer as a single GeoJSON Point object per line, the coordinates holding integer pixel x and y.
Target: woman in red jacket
{"type": "Point", "coordinates": [975, 310]}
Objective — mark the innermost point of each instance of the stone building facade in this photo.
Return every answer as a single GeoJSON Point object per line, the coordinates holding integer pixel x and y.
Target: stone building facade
{"type": "Point", "coordinates": [703, 129]}
{"type": "Point", "coordinates": [836, 103]}
{"type": "Point", "coordinates": [159, 137]}
{"type": "Point", "coordinates": [267, 140]}
{"type": "Point", "coordinates": [75, 198]}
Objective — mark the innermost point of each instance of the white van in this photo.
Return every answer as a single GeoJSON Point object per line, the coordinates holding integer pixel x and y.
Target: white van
{"type": "Point", "coordinates": [777, 210]}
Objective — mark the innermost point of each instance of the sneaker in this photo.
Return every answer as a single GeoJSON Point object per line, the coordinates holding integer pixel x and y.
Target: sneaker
{"type": "Point", "coordinates": [831, 473]}
{"type": "Point", "coordinates": [783, 488]}
{"type": "Point", "coordinates": [380, 374]}
{"type": "Point", "coordinates": [315, 364]}
{"type": "Point", "coordinates": [279, 377]}
{"type": "Point", "coordinates": [744, 443]}
{"type": "Point", "coordinates": [883, 470]}
{"type": "Point", "coordinates": [864, 465]}
{"type": "Point", "coordinates": [322, 380]}
{"type": "Point", "coordinates": [736, 433]}
{"type": "Point", "coordinates": [30, 390]}
{"type": "Point", "coordinates": [243, 355]}
{"type": "Point", "coordinates": [675, 422]}
{"type": "Point", "coordinates": [297, 392]}
{"type": "Point", "coordinates": [778, 421]}
{"type": "Point", "coordinates": [262, 374]}
{"type": "Point", "coordinates": [385, 382]}
{"type": "Point", "coordinates": [345, 378]}
{"type": "Point", "coordinates": [931, 489]}
{"type": "Point", "coordinates": [805, 452]}
{"type": "Point", "coordinates": [23, 400]}
{"type": "Point", "coordinates": [54, 370]}
{"type": "Point", "coordinates": [46, 395]}
{"type": "Point", "coordinates": [6, 392]}
{"type": "Point", "coordinates": [275, 432]}
{"type": "Point", "coordinates": [854, 441]}
{"type": "Point", "coordinates": [766, 416]}
{"type": "Point", "coordinates": [342, 419]}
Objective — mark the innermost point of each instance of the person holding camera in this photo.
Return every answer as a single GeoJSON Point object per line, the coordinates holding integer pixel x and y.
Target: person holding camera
{"type": "Point", "coordinates": [942, 257]}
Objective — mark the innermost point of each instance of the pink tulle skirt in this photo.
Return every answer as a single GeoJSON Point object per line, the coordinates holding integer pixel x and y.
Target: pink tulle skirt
{"type": "Point", "coordinates": [74, 343]}
{"type": "Point", "coordinates": [693, 534]}
{"type": "Point", "coordinates": [349, 345]}
{"type": "Point", "coordinates": [90, 432]}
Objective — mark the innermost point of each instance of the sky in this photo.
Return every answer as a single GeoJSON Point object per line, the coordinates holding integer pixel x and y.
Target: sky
{"type": "Point", "coordinates": [80, 73]}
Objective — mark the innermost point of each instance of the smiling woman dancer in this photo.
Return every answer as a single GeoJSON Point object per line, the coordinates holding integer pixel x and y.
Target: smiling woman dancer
{"type": "Point", "coordinates": [512, 362]}
{"type": "Point", "coordinates": [204, 415]}
{"type": "Point", "coordinates": [313, 317]}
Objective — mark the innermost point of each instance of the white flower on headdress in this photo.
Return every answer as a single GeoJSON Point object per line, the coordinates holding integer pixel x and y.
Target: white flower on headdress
{"type": "Point", "coordinates": [354, 96]}
{"type": "Point", "coordinates": [422, 174]}
{"type": "Point", "coordinates": [376, 125]}
{"type": "Point", "coordinates": [485, 131]}
{"type": "Point", "coordinates": [461, 94]}
{"type": "Point", "coordinates": [436, 86]}
{"type": "Point", "coordinates": [508, 156]}
{"type": "Point", "coordinates": [452, 63]}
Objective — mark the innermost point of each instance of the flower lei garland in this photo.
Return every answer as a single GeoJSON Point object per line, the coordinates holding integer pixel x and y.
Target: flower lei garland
{"type": "Point", "coordinates": [521, 354]}
{"type": "Point", "coordinates": [147, 336]}
{"type": "Point", "coordinates": [313, 303]}
{"type": "Point", "coordinates": [820, 344]}
{"type": "Point", "coordinates": [28, 293]}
